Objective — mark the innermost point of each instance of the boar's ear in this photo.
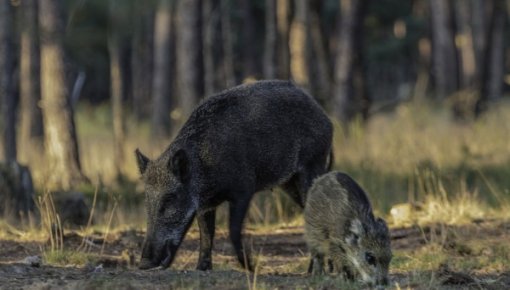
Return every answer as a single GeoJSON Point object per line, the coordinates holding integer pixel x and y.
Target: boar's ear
{"type": "Point", "coordinates": [179, 165]}
{"type": "Point", "coordinates": [142, 161]}
{"type": "Point", "coordinates": [355, 231]}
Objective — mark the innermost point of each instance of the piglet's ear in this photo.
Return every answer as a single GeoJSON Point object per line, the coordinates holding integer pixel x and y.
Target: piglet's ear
{"type": "Point", "coordinates": [179, 165]}
{"type": "Point", "coordinates": [142, 161]}
{"type": "Point", "coordinates": [355, 232]}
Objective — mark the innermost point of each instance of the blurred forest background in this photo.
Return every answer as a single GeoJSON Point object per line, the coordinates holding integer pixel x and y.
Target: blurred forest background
{"type": "Point", "coordinates": [417, 87]}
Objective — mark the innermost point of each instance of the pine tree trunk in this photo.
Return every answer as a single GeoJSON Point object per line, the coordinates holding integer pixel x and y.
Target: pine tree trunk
{"type": "Point", "coordinates": [7, 97]}
{"type": "Point", "coordinates": [299, 44]}
{"type": "Point", "coordinates": [349, 102]}
{"type": "Point", "coordinates": [117, 86]}
{"type": "Point", "coordinates": [189, 56]}
{"type": "Point", "coordinates": [270, 41]}
{"type": "Point", "coordinates": [228, 45]}
{"type": "Point", "coordinates": [444, 68]}
{"type": "Point", "coordinates": [163, 70]}
{"type": "Point", "coordinates": [32, 133]}
{"type": "Point", "coordinates": [282, 15]}
{"type": "Point", "coordinates": [492, 75]}
{"type": "Point", "coordinates": [467, 60]}
{"type": "Point", "coordinates": [248, 43]}
{"type": "Point", "coordinates": [60, 135]}
{"type": "Point", "coordinates": [141, 61]}
{"type": "Point", "coordinates": [320, 80]}
{"type": "Point", "coordinates": [210, 27]}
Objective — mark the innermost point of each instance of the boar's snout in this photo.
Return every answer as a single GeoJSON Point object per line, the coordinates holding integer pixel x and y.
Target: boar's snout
{"type": "Point", "coordinates": [155, 256]}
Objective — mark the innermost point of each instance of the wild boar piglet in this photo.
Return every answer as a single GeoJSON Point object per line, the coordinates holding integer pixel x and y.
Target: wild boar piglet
{"type": "Point", "coordinates": [340, 226]}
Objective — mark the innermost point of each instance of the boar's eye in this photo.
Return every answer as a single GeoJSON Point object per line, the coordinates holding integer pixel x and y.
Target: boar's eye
{"type": "Point", "coordinates": [369, 257]}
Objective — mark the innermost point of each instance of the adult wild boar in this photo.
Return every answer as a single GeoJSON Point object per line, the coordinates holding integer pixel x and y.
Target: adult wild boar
{"type": "Point", "coordinates": [240, 141]}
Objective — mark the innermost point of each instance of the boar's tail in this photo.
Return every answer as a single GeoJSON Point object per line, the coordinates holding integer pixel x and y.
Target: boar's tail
{"type": "Point", "coordinates": [331, 160]}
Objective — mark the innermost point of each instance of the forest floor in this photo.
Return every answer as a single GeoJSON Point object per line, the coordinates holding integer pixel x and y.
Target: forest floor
{"type": "Point", "coordinates": [470, 256]}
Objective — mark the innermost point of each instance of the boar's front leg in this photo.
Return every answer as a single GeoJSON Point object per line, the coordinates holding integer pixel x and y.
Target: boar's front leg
{"type": "Point", "coordinates": [237, 212]}
{"type": "Point", "coordinates": [206, 223]}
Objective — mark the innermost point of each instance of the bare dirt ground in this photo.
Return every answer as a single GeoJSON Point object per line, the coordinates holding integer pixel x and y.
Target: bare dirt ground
{"type": "Point", "coordinates": [466, 258]}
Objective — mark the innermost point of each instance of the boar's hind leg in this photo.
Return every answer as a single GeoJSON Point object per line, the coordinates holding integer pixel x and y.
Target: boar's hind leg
{"type": "Point", "coordinates": [237, 212]}
{"type": "Point", "coordinates": [299, 183]}
{"type": "Point", "coordinates": [206, 223]}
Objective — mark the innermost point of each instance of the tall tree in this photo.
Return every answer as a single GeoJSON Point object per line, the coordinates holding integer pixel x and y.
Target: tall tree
{"type": "Point", "coordinates": [30, 78]}
{"type": "Point", "coordinates": [299, 44]}
{"type": "Point", "coordinates": [350, 97]}
{"type": "Point", "coordinates": [466, 50]}
{"type": "Point", "coordinates": [444, 67]}
{"type": "Point", "coordinates": [189, 55]}
{"type": "Point", "coordinates": [228, 44]}
{"type": "Point", "coordinates": [320, 79]}
{"type": "Point", "coordinates": [162, 85]}
{"type": "Point", "coordinates": [142, 53]}
{"type": "Point", "coordinates": [210, 22]}
{"type": "Point", "coordinates": [60, 135]}
{"type": "Point", "coordinates": [117, 86]}
{"type": "Point", "coordinates": [248, 40]}
{"type": "Point", "coordinates": [7, 96]}
{"type": "Point", "coordinates": [282, 16]}
{"type": "Point", "coordinates": [270, 41]}
{"type": "Point", "coordinates": [492, 74]}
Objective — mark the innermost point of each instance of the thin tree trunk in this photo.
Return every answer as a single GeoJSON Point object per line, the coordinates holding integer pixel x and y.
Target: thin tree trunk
{"type": "Point", "coordinates": [228, 46]}
{"type": "Point", "coordinates": [443, 49]}
{"type": "Point", "coordinates": [7, 96]}
{"type": "Point", "coordinates": [492, 76]}
{"type": "Point", "coordinates": [321, 79]}
{"type": "Point", "coordinates": [270, 41]}
{"type": "Point", "coordinates": [282, 15]}
{"type": "Point", "coordinates": [210, 25]}
{"type": "Point", "coordinates": [347, 102]}
{"type": "Point", "coordinates": [163, 70]}
{"type": "Point", "coordinates": [248, 41]}
{"type": "Point", "coordinates": [141, 63]}
{"type": "Point", "coordinates": [299, 44]}
{"type": "Point", "coordinates": [189, 56]}
{"type": "Point", "coordinates": [479, 32]}
{"type": "Point", "coordinates": [30, 79]}
{"type": "Point", "coordinates": [117, 86]}
{"type": "Point", "coordinates": [464, 36]}
{"type": "Point", "coordinates": [60, 135]}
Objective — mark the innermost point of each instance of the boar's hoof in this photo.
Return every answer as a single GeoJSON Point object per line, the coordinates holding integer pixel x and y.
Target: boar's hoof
{"type": "Point", "coordinates": [204, 265]}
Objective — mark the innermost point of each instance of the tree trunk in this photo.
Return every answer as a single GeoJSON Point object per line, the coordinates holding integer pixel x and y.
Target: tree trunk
{"type": "Point", "coordinates": [349, 73]}
{"type": "Point", "coordinates": [189, 56]}
{"type": "Point", "coordinates": [465, 46]}
{"type": "Point", "coordinates": [117, 86]}
{"type": "Point", "coordinates": [299, 44]}
{"type": "Point", "coordinates": [320, 80]}
{"type": "Point", "coordinates": [30, 79]}
{"type": "Point", "coordinates": [7, 96]}
{"type": "Point", "coordinates": [248, 41]}
{"type": "Point", "coordinates": [443, 49]}
{"type": "Point", "coordinates": [282, 15]}
{"type": "Point", "coordinates": [141, 62]}
{"type": "Point", "coordinates": [60, 136]}
{"type": "Point", "coordinates": [210, 27]}
{"type": "Point", "coordinates": [479, 32]}
{"type": "Point", "coordinates": [163, 70]}
{"type": "Point", "coordinates": [270, 41]}
{"type": "Point", "coordinates": [228, 46]}
{"type": "Point", "coordinates": [492, 75]}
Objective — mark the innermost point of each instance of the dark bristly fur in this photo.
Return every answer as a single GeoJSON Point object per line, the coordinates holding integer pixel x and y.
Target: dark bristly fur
{"type": "Point", "coordinates": [240, 141]}
{"type": "Point", "coordinates": [340, 225]}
